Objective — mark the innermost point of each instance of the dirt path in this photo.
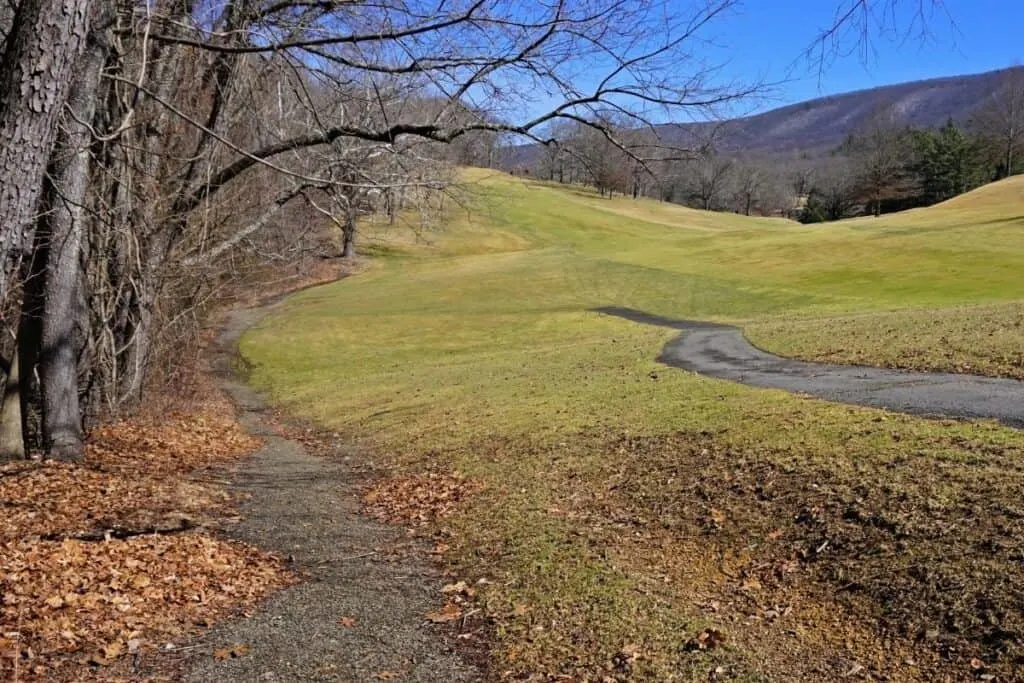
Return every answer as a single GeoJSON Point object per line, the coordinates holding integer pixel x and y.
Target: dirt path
{"type": "Point", "coordinates": [307, 507]}
{"type": "Point", "coordinates": [723, 352]}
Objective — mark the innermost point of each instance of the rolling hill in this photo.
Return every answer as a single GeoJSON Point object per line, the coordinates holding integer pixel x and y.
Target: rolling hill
{"type": "Point", "coordinates": [611, 505]}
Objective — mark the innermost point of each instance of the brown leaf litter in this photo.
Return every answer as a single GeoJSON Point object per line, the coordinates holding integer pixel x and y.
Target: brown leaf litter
{"type": "Point", "coordinates": [418, 500]}
{"type": "Point", "coordinates": [104, 562]}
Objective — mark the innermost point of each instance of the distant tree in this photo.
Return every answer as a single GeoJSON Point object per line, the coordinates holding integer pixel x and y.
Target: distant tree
{"type": "Point", "coordinates": [607, 165]}
{"type": "Point", "coordinates": [555, 163]}
{"type": "Point", "coordinates": [879, 154]}
{"type": "Point", "coordinates": [801, 175]}
{"type": "Point", "coordinates": [749, 183]}
{"type": "Point", "coordinates": [1000, 121]}
{"type": "Point", "coordinates": [832, 197]}
{"type": "Point", "coordinates": [711, 173]}
{"type": "Point", "coordinates": [775, 196]}
{"type": "Point", "coordinates": [948, 163]}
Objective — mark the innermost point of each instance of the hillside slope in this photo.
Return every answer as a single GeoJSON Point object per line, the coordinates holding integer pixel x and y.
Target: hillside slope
{"type": "Point", "coordinates": [822, 124]}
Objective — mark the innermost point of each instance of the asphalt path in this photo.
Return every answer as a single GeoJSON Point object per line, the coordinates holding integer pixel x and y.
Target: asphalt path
{"type": "Point", "coordinates": [722, 351]}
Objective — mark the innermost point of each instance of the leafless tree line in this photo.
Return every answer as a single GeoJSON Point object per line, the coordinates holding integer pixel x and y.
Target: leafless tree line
{"type": "Point", "coordinates": [884, 165]}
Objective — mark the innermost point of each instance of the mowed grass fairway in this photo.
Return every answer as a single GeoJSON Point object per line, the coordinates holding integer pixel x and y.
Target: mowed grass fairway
{"type": "Point", "coordinates": [626, 517]}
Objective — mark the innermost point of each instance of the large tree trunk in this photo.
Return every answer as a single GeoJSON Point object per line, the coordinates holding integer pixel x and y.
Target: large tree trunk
{"type": "Point", "coordinates": [30, 340]}
{"type": "Point", "coordinates": [35, 77]}
{"type": "Point", "coordinates": [63, 226]}
{"type": "Point", "coordinates": [348, 249]}
{"type": "Point", "coordinates": [12, 445]}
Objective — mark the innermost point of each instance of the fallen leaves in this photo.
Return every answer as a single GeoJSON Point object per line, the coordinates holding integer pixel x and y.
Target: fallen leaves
{"type": "Point", "coordinates": [84, 585]}
{"type": "Point", "coordinates": [708, 639]}
{"type": "Point", "coordinates": [460, 588]}
{"type": "Point", "coordinates": [418, 500]}
{"type": "Point", "coordinates": [70, 596]}
{"type": "Point", "coordinates": [450, 612]}
{"type": "Point", "coordinates": [347, 622]}
{"type": "Point", "coordinates": [131, 479]}
{"type": "Point", "coordinates": [233, 652]}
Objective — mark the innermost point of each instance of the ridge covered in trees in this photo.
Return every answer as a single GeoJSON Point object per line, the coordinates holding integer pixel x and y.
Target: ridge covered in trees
{"type": "Point", "coordinates": [882, 164]}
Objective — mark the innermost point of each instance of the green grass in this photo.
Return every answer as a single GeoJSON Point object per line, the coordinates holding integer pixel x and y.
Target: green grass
{"type": "Point", "coordinates": [475, 348]}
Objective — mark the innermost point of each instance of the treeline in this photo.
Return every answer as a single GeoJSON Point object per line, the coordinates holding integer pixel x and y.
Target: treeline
{"type": "Point", "coordinates": [882, 167]}
{"type": "Point", "coordinates": [885, 168]}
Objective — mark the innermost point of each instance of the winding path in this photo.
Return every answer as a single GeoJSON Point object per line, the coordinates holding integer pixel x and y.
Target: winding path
{"type": "Point", "coordinates": [307, 508]}
{"type": "Point", "coordinates": [723, 352]}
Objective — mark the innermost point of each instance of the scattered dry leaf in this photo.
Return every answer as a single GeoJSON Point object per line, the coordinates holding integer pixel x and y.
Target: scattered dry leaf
{"type": "Point", "coordinates": [234, 652]}
{"type": "Point", "coordinates": [708, 639]}
{"type": "Point", "coordinates": [85, 581]}
{"type": "Point", "coordinates": [449, 612]}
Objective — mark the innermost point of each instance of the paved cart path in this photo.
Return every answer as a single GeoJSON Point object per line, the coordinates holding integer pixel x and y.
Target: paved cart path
{"type": "Point", "coordinates": [723, 352]}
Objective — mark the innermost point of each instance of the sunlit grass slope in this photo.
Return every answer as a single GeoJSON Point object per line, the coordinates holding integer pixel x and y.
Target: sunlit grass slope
{"type": "Point", "coordinates": [476, 348]}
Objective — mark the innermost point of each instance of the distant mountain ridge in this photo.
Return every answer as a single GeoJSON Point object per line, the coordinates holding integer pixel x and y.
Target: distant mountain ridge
{"type": "Point", "coordinates": [822, 124]}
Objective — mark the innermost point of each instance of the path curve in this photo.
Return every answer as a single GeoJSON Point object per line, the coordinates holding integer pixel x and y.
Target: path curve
{"type": "Point", "coordinates": [308, 508]}
{"type": "Point", "coordinates": [722, 351]}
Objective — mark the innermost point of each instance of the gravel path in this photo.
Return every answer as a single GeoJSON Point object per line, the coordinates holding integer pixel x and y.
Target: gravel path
{"type": "Point", "coordinates": [722, 351]}
{"type": "Point", "coordinates": [308, 508]}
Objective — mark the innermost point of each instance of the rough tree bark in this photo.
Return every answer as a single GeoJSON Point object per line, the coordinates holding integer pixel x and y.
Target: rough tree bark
{"type": "Point", "coordinates": [35, 76]}
{"type": "Point", "coordinates": [62, 226]}
{"type": "Point", "coordinates": [30, 337]}
{"type": "Point", "coordinates": [12, 445]}
{"type": "Point", "coordinates": [348, 249]}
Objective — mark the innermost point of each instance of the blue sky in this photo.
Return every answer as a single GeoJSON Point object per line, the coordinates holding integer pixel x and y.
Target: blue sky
{"type": "Point", "coordinates": [763, 38]}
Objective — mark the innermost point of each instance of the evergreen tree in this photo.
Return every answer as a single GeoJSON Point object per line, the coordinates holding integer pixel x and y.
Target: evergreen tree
{"type": "Point", "coordinates": [948, 163]}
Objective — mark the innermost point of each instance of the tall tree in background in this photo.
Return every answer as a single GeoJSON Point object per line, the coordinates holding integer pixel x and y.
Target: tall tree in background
{"type": "Point", "coordinates": [749, 184]}
{"type": "Point", "coordinates": [878, 154]}
{"type": "Point", "coordinates": [831, 197]}
{"type": "Point", "coordinates": [1000, 121]}
{"type": "Point", "coordinates": [948, 163]}
{"type": "Point", "coordinates": [710, 172]}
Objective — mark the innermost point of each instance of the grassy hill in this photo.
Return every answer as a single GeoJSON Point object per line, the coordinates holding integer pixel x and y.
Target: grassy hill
{"type": "Point", "coordinates": [622, 512]}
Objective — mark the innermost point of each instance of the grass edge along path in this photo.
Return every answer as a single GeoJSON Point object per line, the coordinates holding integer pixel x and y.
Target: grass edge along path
{"type": "Point", "coordinates": [632, 521]}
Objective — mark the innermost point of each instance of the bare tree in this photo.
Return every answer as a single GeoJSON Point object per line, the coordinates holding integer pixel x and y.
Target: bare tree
{"type": "Point", "coordinates": [710, 173]}
{"type": "Point", "coordinates": [1000, 120]}
{"type": "Point", "coordinates": [879, 153]}
{"type": "Point", "coordinates": [856, 24]}
{"type": "Point", "coordinates": [832, 197]}
{"type": "Point", "coordinates": [749, 182]}
{"type": "Point", "coordinates": [596, 146]}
